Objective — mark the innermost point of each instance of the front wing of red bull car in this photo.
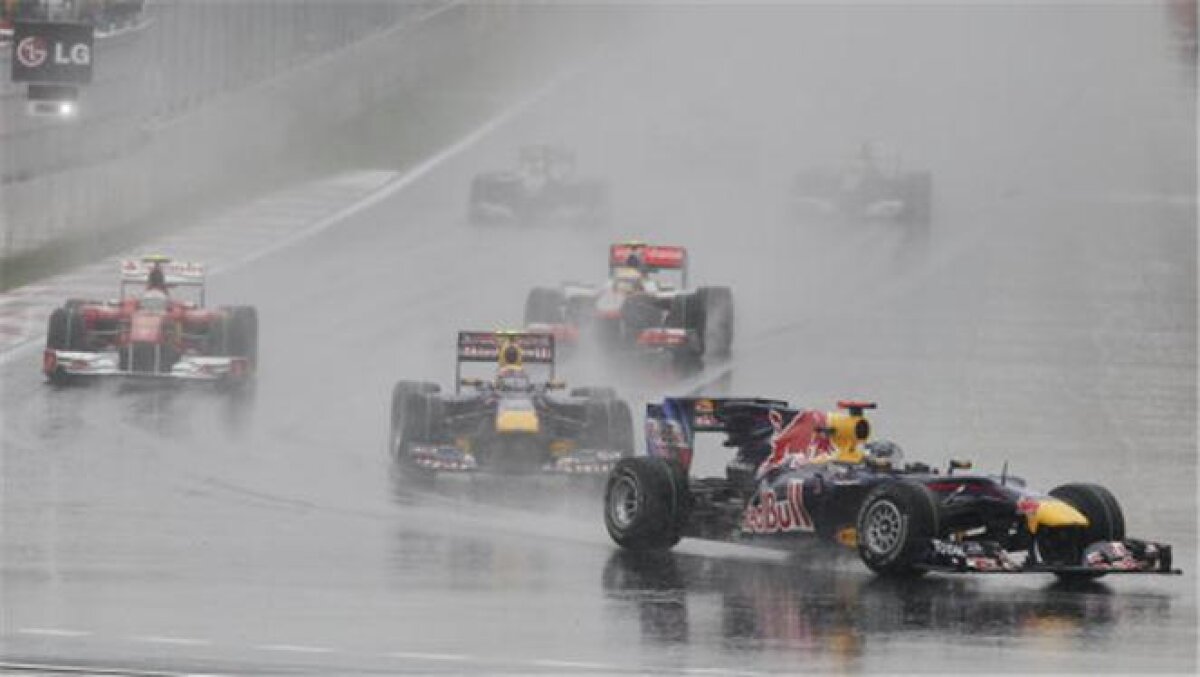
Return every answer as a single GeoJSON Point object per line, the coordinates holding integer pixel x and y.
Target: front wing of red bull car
{"type": "Point", "coordinates": [155, 336]}
{"type": "Point", "coordinates": [809, 476]}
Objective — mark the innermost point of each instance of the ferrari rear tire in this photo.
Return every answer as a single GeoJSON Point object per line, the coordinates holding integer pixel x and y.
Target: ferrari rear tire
{"type": "Point", "coordinates": [242, 336]}
{"type": "Point", "coordinates": [895, 525]}
{"type": "Point", "coordinates": [65, 330]}
{"type": "Point", "coordinates": [646, 503]}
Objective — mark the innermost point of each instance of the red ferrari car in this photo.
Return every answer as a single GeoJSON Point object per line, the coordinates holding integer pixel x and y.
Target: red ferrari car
{"type": "Point", "coordinates": [152, 334]}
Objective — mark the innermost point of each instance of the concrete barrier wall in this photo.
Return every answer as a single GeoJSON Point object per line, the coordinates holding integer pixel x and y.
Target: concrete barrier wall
{"type": "Point", "coordinates": [169, 158]}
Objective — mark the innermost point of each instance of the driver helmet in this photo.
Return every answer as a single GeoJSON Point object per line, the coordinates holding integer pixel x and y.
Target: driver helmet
{"type": "Point", "coordinates": [156, 279]}
{"type": "Point", "coordinates": [512, 378]}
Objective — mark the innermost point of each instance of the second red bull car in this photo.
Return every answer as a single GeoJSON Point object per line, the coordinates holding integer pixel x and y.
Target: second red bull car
{"type": "Point", "coordinates": [808, 475]}
{"type": "Point", "coordinates": [511, 423]}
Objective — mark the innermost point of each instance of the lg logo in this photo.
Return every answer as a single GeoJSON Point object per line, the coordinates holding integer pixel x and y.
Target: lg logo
{"type": "Point", "coordinates": [34, 50]}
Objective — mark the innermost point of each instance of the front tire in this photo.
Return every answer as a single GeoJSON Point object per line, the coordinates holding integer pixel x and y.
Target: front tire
{"type": "Point", "coordinates": [415, 408]}
{"type": "Point", "coordinates": [646, 503]}
{"type": "Point", "coordinates": [1065, 546]}
{"type": "Point", "coordinates": [895, 524]}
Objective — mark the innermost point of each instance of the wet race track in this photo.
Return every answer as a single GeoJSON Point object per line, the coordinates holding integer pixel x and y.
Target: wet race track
{"type": "Point", "coordinates": [1047, 319]}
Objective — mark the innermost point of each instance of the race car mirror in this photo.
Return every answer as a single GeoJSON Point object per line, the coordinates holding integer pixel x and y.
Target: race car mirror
{"type": "Point", "coordinates": [555, 385]}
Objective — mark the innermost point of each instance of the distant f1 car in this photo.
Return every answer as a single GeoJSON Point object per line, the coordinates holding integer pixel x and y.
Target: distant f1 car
{"type": "Point", "coordinates": [152, 335]}
{"type": "Point", "coordinates": [868, 188]}
{"type": "Point", "coordinates": [543, 188]}
{"type": "Point", "coordinates": [510, 423]}
{"type": "Point", "coordinates": [639, 309]}
{"type": "Point", "coordinates": [803, 475]}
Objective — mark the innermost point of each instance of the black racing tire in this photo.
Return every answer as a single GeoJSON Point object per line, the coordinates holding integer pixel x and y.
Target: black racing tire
{"type": "Point", "coordinates": [416, 417]}
{"type": "Point", "coordinates": [717, 305]}
{"type": "Point", "coordinates": [403, 389]}
{"type": "Point", "coordinates": [646, 503]}
{"type": "Point", "coordinates": [918, 197]}
{"type": "Point", "coordinates": [687, 312]}
{"type": "Point", "coordinates": [242, 334]}
{"type": "Point", "coordinates": [65, 330]}
{"type": "Point", "coordinates": [608, 425]}
{"type": "Point", "coordinates": [895, 524]}
{"type": "Point", "coordinates": [545, 305]}
{"type": "Point", "coordinates": [1065, 546]}
{"type": "Point", "coordinates": [621, 437]}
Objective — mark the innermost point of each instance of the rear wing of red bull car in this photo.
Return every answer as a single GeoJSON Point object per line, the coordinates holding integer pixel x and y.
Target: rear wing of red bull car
{"type": "Point", "coordinates": [650, 258]}
{"type": "Point", "coordinates": [671, 425]}
{"type": "Point", "coordinates": [505, 349]}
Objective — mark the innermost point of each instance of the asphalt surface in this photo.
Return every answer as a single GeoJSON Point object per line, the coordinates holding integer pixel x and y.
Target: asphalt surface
{"type": "Point", "coordinates": [1047, 320]}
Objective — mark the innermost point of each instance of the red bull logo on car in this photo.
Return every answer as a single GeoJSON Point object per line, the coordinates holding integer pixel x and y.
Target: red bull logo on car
{"type": "Point", "coordinates": [766, 514]}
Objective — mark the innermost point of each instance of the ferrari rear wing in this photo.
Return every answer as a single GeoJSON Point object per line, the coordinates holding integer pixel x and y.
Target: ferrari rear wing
{"type": "Point", "coordinates": [650, 258]}
{"type": "Point", "coordinates": [671, 425]}
{"type": "Point", "coordinates": [175, 273]}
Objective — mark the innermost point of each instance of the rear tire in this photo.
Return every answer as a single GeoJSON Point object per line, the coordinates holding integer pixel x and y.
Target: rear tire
{"type": "Point", "coordinates": [65, 330]}
{"type": "Point", "coordinates": [646, 503]}
{"type": "Point", "coordinates": [895, 524]}
{"type": "Point", "coordinates": [242, 336]}
{"type": "Point", "coordinates": [544, 305]}
{"type": "Point", "coordinates": [918, 197]}
{"type": "Point", "coordinates": [717, 327]}
{"type": "Point", "coordinates": [609, 426]}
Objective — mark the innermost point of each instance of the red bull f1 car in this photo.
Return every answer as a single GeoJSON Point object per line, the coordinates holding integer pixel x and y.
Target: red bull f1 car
{"type": "Point", "coordinates": [644, 308]}
{"type": "Point", "coordinates": [542, 188]}
{"type": "Point", "coordinates": [511, 423]}
{"type": "Point", "coordinates": [152, 334]}
{"type": "Point", "coordinates": [806, 475]}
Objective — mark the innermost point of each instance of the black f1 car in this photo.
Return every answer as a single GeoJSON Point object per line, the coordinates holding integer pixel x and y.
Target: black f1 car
{"type": "Point", "coordinates": [542, 188]}
{"type": "Point", "coordinates": [802, 475]}
{"type": "Point", "coordinates": [639, 309]}
{"type": "Point", "coordinates": [866, 189]}
{"type": "Point", "coordinates": [154, 334]}
{"type": "Point", "coordinates": [508, 424]}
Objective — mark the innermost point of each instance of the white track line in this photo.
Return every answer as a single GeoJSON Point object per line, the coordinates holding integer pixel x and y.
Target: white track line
{"type": "Point", "coordinates": [177, 641]}
{"type": "Point", "coordinates": [573, 665]}
{"type": "Point", "coordinates": [83, 669]}
{"type": "Point", "coordinates": [53, 632]}
{"type": "Point", "coordinates": [420, 656]}
{"type": "Point", "coordinates": [294, 648]}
